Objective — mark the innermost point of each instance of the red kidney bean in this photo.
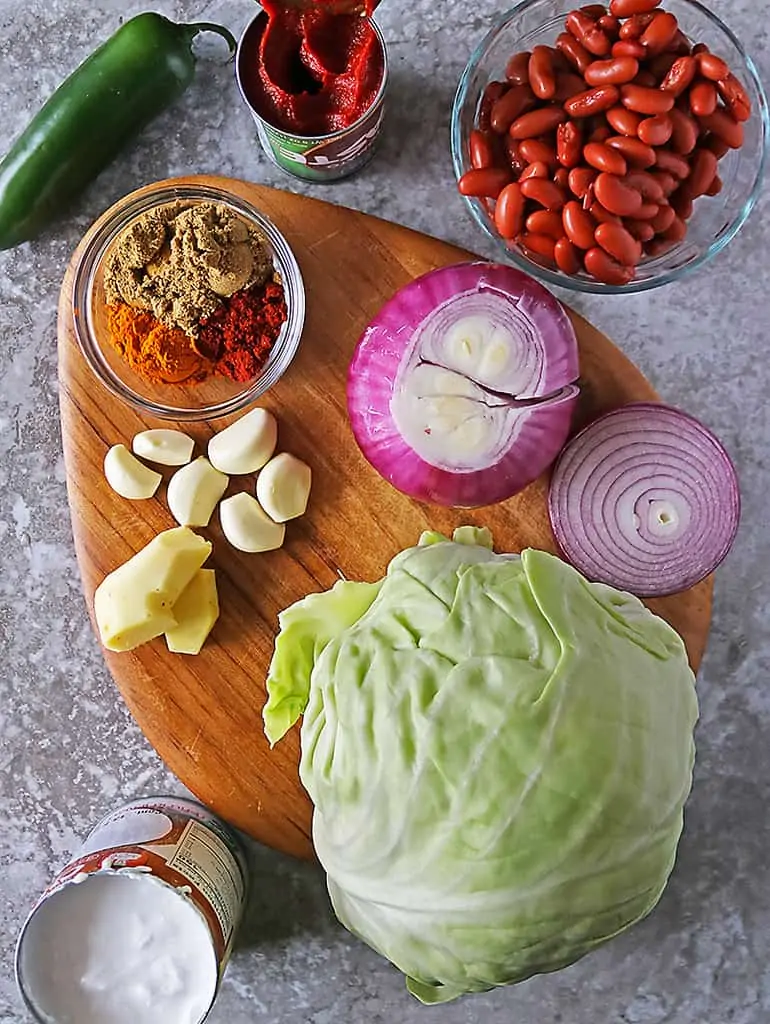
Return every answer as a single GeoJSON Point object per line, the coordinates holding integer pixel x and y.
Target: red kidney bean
{"type": "Point", "coordinates": [716, 186]}
{"type": "Point", "coordinates": [703, 98]}
{"type": "Point", "coordinates": [656, 131]}
{"type": "Point", "coordinates": [660, 32]}
{"type": "Point", "coordinates": [663, 219]}
{"type": "Point", "coordinates": [646, 101]}
{"type": "Point", "coordinates": [644, 183]}
{"type": "Point", "coordinates": [602, 215]}
{"type": "Point", "coordinates": [515, 159]}
{"type": "Point", "coordinates": [541, 245]}
{"type": "Point", "coordinates": [489, 182]}
{"type": "Point", "coordinates": [635, 26]}
{"type": "Point", "coordinates": [604, 268]}
{"type": "Point", "coordinates": [629, 8]}
{"type": "Point", "coordinates": [680, 44]}
{"type": "Point", "coordinates": [600, 134]}
{"type": "Point", "coordinates": [666, 181]}
{"type": "Point", "coordinates": [646, 80]}
{"type": "Point", "coordinates": [658, 246]}
{"type": "Point", "coordinates": [617, 71]}
{"type": "Point", "coordinates": [736, 97]}
{"type": "Point", "coordinates": [546, 193]}
{"type": "Point", "coordinates": [636, 153]}
{"type": "Point", "coordinates": [712, 67]}
{"type": "Point", "coordinates": [616, 196]}
{"type": "Point", "coordinates": [536, 170]}
{"type": "Point", "coordinates": [533, 150]}
{"type": "Point", "coordinates": [626, 122]}
{"type": "Point", "coordinates": [515, 102]}
{"type": "Point", "coordinates": [559, 61]}
{"type": "Point", "coordinates": [665, 160]}
{"type": "Point", "coordinates": [684, 132]}
{"type": "Point", "coordinates": [542, 77]}
{"type": "Point", "coordinates": [677, 231]}
{"type": "Point", "coordinates": [517, 68]}
{"type": "Point", "coordinates": [594, 11]}
{"type": "Point", "coordinates": [566, 256]}
{"type": "Point", "coordinates": [682, 204]}
{"type": "Point", "coordinates": [618, 242]}
{"type": "Point", "coordinates": [610, 24]}
{"type": "Point", "coordinates": [647, 211]}
{"type": "Point", "coordinates": [660, 66]}
{"type": "Point", "coordinates": [703, 170]}
{"type": "Point", "coordinates": [717, 146]}
{"type": "Point", "coordinates": [567, 86]}
{"type": "Point", "coordinates": [545, 222]}
{"type": "Point", "coordinates": [537, 122]}
{"type": "Point", "coordinates": [641, 230]}
{"type": "Point", "coordinates": [561, 177]}
{"type": "Point", "coordinates": [723, 124]}
{"type": "Point", "coordinates": [492, 93]}
{"type": "Point", "coordinates": [587, 32]}
{"type": "Point", "coordinates": [481, 152]}
{"type": "Point", "coordinates": [700, 48]}
{"type": "Point", "coordinates": [569, 144]}
{"type": "Point", "coordinates": [509, 211]}
{"type": "Point", "coordinates": [579, 225]}
{"type": "Point", "coordinates": [604, 158]}
{"type": "Point", "coordinates": [628, 48]}
{"type": "Point", "coordinates": [580, 180]}
{"type": "Point", "coordinates": [574, 51]}
{"type": "Point", "coordinates": [594, 101]}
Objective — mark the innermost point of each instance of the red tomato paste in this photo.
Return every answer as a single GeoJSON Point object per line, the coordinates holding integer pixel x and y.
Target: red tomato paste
{"type": "Point", "coordinates": [313, 72]}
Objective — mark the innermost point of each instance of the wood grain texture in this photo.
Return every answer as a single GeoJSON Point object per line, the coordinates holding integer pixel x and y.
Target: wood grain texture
{"type": "Point", "coordinates": [203, 714]}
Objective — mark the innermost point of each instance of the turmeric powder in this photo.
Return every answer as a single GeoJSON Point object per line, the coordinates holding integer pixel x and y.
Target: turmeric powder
{"type": "Point", "coordinates": [158, 353]}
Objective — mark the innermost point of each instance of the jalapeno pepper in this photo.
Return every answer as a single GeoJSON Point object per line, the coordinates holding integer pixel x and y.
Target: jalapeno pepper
{"type": "Point", "coordinates": [104, 104]}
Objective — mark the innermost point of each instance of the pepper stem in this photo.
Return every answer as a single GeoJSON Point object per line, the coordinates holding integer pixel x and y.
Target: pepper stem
{"type": "Point", "coordinates": [220, 30]}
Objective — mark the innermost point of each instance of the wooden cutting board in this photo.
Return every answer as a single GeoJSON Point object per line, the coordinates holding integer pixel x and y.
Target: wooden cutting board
{"type": "Point", "coordinates": [203, 714]}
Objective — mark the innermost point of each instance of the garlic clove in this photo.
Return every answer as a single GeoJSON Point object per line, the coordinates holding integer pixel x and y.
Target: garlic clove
{"type": "Point", "coordinates": [246, 525]}
{"type": "Point", "coordinates": [246, 445]}
{"type": "Point", "coordinates": [283, 487]}
{"type": "Point", "coordinates": [167, 447]}
{"type": "Point", "coordinates": [193, 492]}
{"type": "Point", "coordinates": [128, 476]}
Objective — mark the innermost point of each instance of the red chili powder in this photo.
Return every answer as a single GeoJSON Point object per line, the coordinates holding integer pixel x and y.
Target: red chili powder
{"type": "Point", "coordinates": [240, 334]}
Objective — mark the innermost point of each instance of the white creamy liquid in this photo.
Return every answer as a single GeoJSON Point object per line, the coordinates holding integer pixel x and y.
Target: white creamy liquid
{"type": "Point", "coordinates": [119, 948]}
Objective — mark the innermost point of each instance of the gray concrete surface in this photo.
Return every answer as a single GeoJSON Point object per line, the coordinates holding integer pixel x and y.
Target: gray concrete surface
{"type": "Point", "coordinates": [69, 751]}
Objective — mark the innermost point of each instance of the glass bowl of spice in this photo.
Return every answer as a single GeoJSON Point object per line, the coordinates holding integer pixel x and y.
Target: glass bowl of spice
{"type": "Point", "coordinates": [188, 302]}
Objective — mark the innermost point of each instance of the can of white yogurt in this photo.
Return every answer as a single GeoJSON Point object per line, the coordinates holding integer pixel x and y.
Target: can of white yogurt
{"type": "Point", "coordinates": [139, 926]}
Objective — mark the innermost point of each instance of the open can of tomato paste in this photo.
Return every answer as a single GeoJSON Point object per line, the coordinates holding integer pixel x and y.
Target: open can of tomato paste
{"type": "Point", "coordinates": [139, 926]}
{"type": "Point", "coordinates": [293, 115]}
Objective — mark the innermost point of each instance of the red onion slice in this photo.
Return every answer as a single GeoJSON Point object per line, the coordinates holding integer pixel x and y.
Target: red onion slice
{"type": "Point", "coordinates": [646, 499]}
{"type": "Point", "coordinates": [460, 391]}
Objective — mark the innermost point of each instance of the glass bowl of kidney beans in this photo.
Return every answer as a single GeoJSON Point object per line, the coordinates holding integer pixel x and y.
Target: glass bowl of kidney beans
{"type": "Point", "coordinates": [611, 147]}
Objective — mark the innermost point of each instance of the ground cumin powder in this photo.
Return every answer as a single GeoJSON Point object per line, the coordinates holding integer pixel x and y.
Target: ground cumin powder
{"type": "Point", "coordinates": [180, 261]}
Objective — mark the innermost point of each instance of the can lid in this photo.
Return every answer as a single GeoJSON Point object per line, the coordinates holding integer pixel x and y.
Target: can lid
{"type": "Point", "coordinates": [103, 949]}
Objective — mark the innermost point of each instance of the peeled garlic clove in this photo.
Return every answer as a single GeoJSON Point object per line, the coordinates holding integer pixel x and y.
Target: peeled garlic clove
{"type": "Point", "coordinates": [193, 492]}
{"type": "Point", "coordinates": [168, 447]}
{"type": "Point", "coordinates": [128, 476]}
{"type": "Point", "coordinates": [283, 487]}
{"type": "Point", "coordinates": [247, 526]}
{"type": "Point", "coordinates": [246, 445]}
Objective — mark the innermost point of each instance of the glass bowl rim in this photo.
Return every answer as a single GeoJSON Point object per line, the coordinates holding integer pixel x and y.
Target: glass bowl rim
{"type": "Point", "coordinates": [587, 285]}
{"type": "Point", "coordinates": [103, 234]}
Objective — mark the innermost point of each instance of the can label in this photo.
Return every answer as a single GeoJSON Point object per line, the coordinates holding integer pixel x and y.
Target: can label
{"type": "Point", "coordinates": [180, 843]}
{"type": "Point", "coordinates": [327, 157]}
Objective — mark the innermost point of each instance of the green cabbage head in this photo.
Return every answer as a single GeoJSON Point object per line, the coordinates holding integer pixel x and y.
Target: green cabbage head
{"type": "Point", "coordinates": [498, 753]}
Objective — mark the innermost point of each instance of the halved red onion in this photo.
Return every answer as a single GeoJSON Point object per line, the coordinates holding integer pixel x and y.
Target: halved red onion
{"type": "Point", "coordinates": [646, 499]}
{"type": "Point", "coordinates": [460, 391]}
